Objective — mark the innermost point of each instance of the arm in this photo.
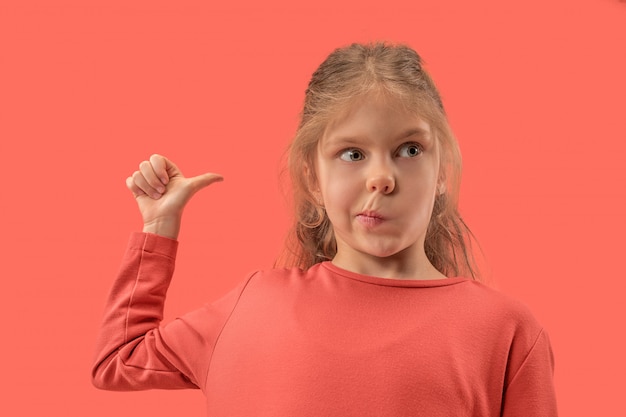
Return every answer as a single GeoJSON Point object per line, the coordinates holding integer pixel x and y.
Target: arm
{"type": "Point", "coordinates": [133, 352]}
{"type": "Point", "coordinates": [130, 352]}
{"type": "Point", "coordinates": [530, 391]}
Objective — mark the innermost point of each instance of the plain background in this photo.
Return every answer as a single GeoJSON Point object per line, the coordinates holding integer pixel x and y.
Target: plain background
{"type": "Point", "coordinates": [535, 91]}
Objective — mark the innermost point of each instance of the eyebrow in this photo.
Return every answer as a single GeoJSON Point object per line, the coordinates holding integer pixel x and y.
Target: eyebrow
{"type": "Point", "coordinates": [422, 133]}
{"type": "Point", "coordinates": [416, 131]}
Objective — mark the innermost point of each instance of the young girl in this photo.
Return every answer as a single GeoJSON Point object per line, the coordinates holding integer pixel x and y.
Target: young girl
{"type": "Point", "coordinates": [380, 313]}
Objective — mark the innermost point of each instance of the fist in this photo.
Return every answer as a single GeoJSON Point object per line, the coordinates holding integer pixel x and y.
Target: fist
{"type": "Point", "coordinates": [162, 192]}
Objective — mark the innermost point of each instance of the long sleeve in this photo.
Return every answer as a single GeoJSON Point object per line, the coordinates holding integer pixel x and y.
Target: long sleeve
{"type": "Point", "coordinates": [530, 391]}
{"type": "Point", "coordinates": [132, 351]}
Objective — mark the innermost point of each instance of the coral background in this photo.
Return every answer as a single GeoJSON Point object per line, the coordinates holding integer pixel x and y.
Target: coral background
{"type": "Point", "coordinates": [535, 91]}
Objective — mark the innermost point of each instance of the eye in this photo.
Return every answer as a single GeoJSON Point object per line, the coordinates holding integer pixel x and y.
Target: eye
{"type": "Point", "coordinates": [351, 155]}
{"type": "Point", "coordinates": [409, 150]}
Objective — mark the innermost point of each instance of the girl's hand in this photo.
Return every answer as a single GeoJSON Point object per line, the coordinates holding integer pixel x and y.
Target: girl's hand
{"type": "Point", "coordinates": [162, 192]}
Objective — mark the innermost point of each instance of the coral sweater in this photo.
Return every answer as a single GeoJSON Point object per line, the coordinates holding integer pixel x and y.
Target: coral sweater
{"type": "Point", "coordinates": [326, 342]}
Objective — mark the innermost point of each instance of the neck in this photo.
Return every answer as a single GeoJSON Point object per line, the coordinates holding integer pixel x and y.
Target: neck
{"type": "Point", "coordinates": [397, 266]}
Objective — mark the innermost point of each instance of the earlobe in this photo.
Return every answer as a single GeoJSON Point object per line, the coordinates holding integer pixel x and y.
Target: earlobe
{"type": "Point", "coordinates": [317, 195]}
{"type": "Point", "coordinates": [441, 188]}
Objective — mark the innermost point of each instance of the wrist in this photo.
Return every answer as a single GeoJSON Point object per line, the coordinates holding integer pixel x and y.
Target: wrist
{"type": "Point", "coordinates": [163, 227]}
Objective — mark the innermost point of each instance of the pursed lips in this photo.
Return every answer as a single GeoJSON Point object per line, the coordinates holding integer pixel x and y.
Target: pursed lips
{"type": "Point", "coordinates": [372, 214]}
{"type": "Point", "coordinates": [370, 218]}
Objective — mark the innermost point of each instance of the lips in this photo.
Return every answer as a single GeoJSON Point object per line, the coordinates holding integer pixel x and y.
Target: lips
{"type": "Point", "coordinates": [371, 214]}
{"type": "Point", "coordinates": [370, 218]}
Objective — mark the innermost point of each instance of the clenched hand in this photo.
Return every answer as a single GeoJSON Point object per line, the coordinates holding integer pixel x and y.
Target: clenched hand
{"type": "Point", "coordinates": [162, 192]}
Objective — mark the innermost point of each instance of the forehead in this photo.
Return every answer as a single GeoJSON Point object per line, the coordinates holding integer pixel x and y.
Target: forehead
{"type": "Point", "coordinates": [375, 116]}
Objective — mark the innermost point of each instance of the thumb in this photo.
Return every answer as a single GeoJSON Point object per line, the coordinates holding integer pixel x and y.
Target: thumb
{"type": "Point", "coordinates": [199, 182]}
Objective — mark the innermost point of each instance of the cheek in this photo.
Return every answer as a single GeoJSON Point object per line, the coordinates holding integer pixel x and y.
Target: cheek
{"type": "Point", "coordinates": [338, 192]}
{"type": "Point", "coordinates": [430, 175]}
{"type": "Point", "coordinates": [422, 188]}
{"type": "Point", "coordinates": [423, 178]}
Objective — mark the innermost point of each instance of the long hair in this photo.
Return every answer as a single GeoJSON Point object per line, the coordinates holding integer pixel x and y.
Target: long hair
{"type": "Point", "coordinates": [346, 75]}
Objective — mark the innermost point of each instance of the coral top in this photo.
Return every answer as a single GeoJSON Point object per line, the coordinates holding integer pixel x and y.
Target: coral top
{"type": "Point", "coordinates": [326, 342]}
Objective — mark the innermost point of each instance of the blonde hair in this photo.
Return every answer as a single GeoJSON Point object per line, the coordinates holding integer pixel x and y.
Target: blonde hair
{"type": "Point", "coordinates": [348, 74]}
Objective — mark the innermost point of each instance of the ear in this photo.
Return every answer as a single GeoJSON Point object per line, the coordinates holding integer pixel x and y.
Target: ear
{"type": "Point", "coordinates": [441, 182]}
{"type": "Point", "coordinates": [318, 197]}
{"type": "Point", "coordinates": [309, 174]}
{"type": "Point", "coordinates": [311, 179]}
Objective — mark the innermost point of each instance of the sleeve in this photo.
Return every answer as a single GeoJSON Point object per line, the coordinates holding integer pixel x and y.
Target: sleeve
{"type": "Point", "coordinates": [530, 391]}
{"type": "Point", "coordinates": [132, 351]}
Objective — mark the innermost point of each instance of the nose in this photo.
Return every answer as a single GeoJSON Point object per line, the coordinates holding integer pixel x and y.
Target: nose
{"type": "Point", "coordinates": [381, 179]}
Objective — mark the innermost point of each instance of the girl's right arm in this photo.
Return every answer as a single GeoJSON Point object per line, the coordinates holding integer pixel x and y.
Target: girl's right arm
{"type": "Point", "coordinates": [132, 351]}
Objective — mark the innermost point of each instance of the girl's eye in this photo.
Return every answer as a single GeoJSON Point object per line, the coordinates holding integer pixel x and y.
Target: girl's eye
{"type": "Point", "coordinates": [351, 155]}
{"type": "Point", "coordinates": [409, 150]}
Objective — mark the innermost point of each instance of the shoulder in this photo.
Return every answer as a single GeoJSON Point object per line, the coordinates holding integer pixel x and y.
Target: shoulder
{"type": "Point", "coordinates": [508, 316]}
{"type": "Point", "coordinates": [493, 301]}
{"type": "Point", "coordinates": [276, 279]}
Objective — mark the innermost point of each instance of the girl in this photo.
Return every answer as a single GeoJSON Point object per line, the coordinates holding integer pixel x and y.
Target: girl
{"type": "Point", "coordinates": [380, 313]}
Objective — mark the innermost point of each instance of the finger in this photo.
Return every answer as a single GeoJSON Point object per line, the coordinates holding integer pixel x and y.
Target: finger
{"type": "Point", "coordinates": [141, 183]}
{"type": "Point", "coordinates": [159, 165]}
{"type": "Point", "coordinates": [130, 184]}
{"type": "Point", "coordinates": [204, 180]}
{"type": "Point", "coordinates": [171, 170]}
{"type": "Point", "coordinates": [151, 177]}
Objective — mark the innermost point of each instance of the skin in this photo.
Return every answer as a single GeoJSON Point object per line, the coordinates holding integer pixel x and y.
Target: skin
{"type": "Point", "coordinates": [377, 171]}
{"type": "Point", "coordinates": [162, 192]}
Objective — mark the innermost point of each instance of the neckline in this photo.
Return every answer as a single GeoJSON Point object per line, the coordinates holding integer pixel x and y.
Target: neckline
{"type": "Point", "coordinates": [393, 282]}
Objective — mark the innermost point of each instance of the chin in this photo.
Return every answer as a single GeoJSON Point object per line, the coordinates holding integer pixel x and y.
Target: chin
{"type": "Point", "coordinates": [384, 252]}
{"type": "Point", "coordinates": [392, 251]}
